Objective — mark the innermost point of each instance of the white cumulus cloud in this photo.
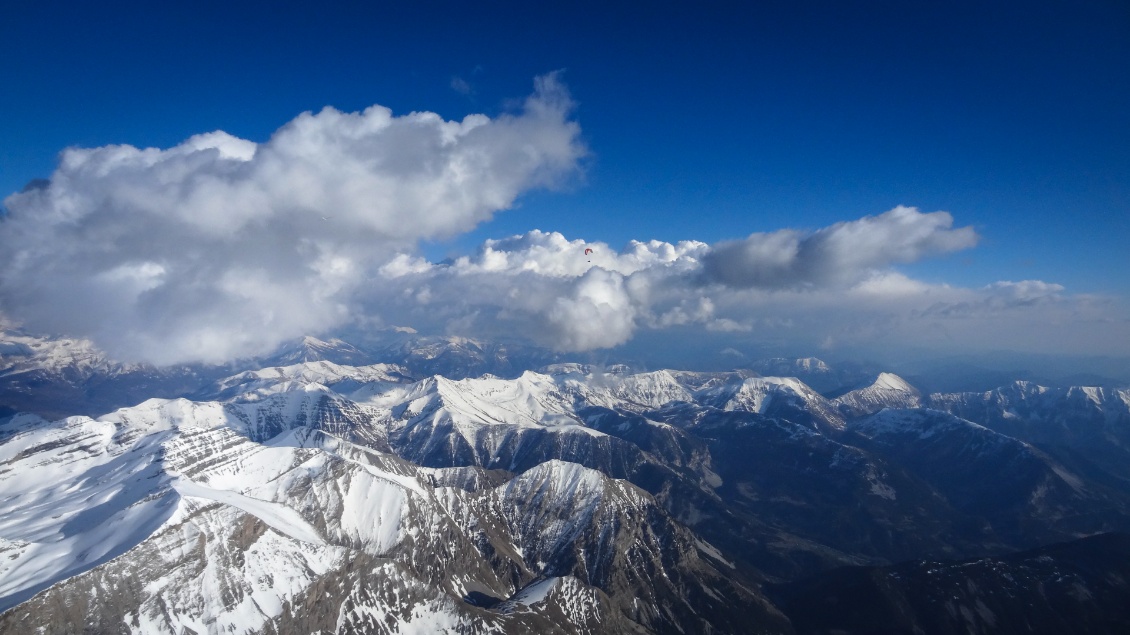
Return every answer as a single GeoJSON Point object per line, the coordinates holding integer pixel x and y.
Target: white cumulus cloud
{"type": "Point", "coordinates": [221, 247]}
{"type": "Point", "coordinates": [545, 288]}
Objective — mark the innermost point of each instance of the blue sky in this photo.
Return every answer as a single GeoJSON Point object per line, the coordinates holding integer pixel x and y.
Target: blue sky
{"type": "Point", "coordinates": [699, 122]}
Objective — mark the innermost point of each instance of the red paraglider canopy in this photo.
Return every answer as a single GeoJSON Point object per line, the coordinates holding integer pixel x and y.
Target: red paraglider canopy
{"type": "Point", "coordinates": [588, 250]}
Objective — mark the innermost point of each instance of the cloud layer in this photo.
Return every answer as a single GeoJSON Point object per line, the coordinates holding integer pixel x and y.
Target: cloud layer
{"type": "Point", "coordinates": [843, 253]}
{"type": "Point", "coordinates": [545, 288]}
{"type": "Point", "coordinates": [221, 247]}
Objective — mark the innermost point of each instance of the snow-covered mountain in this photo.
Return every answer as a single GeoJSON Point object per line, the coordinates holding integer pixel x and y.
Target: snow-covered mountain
{"type": "Point", "coordinates": [814, 372]}
{"type": "Point", "coordinates": [56, 377]}
{"type": "Point", "coordinates": [305, 493]}
{"type": "Point", "coordinates": [461, 357]}
{"type": "Point", "coordinates": [783, 397]}
{"type": "Point", "coordinates": [313, 349]}
{"type": "Point", "coordinates": [217, 529]}
{"type": "Point", "coordinates": [887, 391]}
{"type": "Point", "coordinates": [1079, 424]}
{"type": "Point", "coordinates": [307, 376]}
{"type": "Point", "coordinates": [992, 476]}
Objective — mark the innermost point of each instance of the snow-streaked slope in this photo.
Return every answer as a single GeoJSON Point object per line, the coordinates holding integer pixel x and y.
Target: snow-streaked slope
{"type": "Point", "coordinates": [80, 491]}
{"type": "Point", "coordinates": [924, 424]}
{"type": "Point", "coordinates": [1039, 405]}
{"type": "Point", "coordinates": [178, 515]}
{"type": "Point", "coordinates": [74, 496]}
{"type": "Point", "coordinates": [1005, 480]}
{"type": "Point", "coordinates": [1085, 421]}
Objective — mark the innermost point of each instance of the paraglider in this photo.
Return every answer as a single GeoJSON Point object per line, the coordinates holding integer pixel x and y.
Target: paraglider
{"type": "Point", "coordinates": [588, 251]}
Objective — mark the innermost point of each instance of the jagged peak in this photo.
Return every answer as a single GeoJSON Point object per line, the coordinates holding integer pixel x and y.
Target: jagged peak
{"type": "Point", "coordinates": [791, 384]}
{"type": "Point", "coordinates": [310, 340]}
{"type": "Point", "coordinates": [532, 399]}
{"type": "Point", "coordinates": [887, 391]}
{"type": "Point", "coordinates": [569, 481]}
{"type": "Point", "coordinates": [891, 381]}
{"type": "Point", "coordinates": [662, 373]}
{"type": "Point", "coordinates": [434, 343]}
{"type": "Point", "coordinates": [1094, 394]}
{"type": "Point", "coordinates": [321, 368]}
{"type": "Point", "coordinates": [491, 384]}
{"type": "Point", "coordinates": [1022, 387]}
{"type": "Point", "coordinates": [755, 394]}
{"type": "Point", "coordinates": [812, 363]}
{"type": "Point", "coordinates": [801, 364]}
{"type": "Point", "coordinates": [566, 368]}
{"type": "Point", "coordinates": [561, 469]}
{"type": "Point", "coordinates": [533, 376]}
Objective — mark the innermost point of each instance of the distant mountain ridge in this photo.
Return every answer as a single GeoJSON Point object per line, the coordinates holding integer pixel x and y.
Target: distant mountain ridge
{"type": "Point", "coordinates": [320, 495]}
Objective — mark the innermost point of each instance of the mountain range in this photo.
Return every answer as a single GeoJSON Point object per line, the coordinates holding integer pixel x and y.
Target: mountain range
{"type": "Point", "coordinates": [437, 485]}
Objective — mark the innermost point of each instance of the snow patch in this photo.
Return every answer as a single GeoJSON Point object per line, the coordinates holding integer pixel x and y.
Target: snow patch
{"type": "Point", "coordinates": [536, 592]}
{"type": "Point", "coordinates": [713, 552]}
{"type": "Point", "coordinates": [280, 517]}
